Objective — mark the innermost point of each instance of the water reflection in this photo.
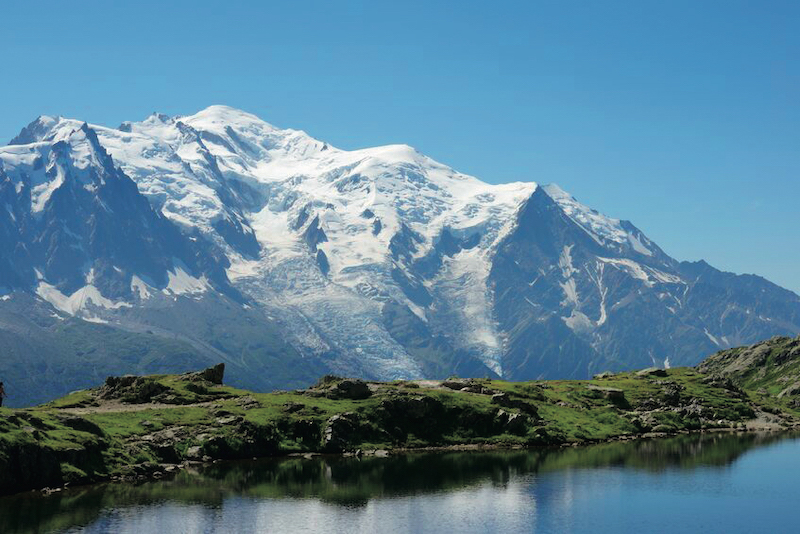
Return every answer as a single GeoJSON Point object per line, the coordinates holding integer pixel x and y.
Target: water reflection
{"type": "Point", "coordinates": [494, 491]}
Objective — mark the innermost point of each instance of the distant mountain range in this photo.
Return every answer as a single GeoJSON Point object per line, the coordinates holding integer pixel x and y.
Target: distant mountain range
{"type": "Point", "coordinates": [176, 242]}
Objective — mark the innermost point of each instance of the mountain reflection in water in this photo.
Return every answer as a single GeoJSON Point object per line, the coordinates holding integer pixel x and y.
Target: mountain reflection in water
{"type": "Point", "coordinates": [554, 489]}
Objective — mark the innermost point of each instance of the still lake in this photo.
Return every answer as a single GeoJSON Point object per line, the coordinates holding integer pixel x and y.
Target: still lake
{"type": "Point", "coordinates": [704, 483]}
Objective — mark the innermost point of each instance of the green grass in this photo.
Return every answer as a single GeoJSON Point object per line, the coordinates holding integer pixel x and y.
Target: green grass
{"type": "Point", "coordinates": [225, 422]}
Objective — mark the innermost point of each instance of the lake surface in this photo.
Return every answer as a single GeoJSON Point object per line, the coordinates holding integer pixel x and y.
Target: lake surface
{"type": "Point", "coordinates": [710, 483]}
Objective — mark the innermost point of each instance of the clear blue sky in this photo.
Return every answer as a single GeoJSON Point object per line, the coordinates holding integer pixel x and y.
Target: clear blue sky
{"type": "Point", "coordinates": [681, 116]}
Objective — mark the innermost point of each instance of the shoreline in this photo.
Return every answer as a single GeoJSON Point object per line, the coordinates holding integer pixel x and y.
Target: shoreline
{"type": "Point", "coordinates": [162, 471]}
{"type": "Point", "coordinates": [138, 428]}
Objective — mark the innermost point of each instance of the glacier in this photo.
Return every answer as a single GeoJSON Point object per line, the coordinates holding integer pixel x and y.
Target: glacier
{"type": "Point", "coordinates": [378, 262]}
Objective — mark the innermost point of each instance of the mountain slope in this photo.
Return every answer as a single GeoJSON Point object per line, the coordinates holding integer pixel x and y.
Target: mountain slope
{"type": "Point", "coordinates": [772, 367]}
{"type": "Point", "coordinates": [380, 262]}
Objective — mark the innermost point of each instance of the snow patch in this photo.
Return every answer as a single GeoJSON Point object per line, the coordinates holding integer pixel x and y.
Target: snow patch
{"type": "Point", "coordinates": [78, 301]}
{"type": "Point", "coordinates": [140, 287]}
{"type": "Point", "coordinates": [578, 322]}
{"type": "Point", "coordinates": [713, 339]}
{"type": "Point", "coordinates": [182, 283]}
{"type": "Point", "coordinates": [637, 245]}
{"type": "Point", "coordinates": [565, 262]}
{"type": "Point", "coordinates": [570, 292]}
{"type": "Point", "coordinates": [649, 275]}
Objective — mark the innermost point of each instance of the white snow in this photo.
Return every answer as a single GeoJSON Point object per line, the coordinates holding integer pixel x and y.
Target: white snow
{"type": "Point", "coordinates": [570, 292]}
{"type": "Point", "coordinates": [649, 275]}
{"type": "Point", "coordinates": [602, 228]}
{"type": "Point", "coordinates": [223, 164]}
{"type": "Point", "coordinates": [140, 287]}
{"type": "Point", "coordinates": [182, 283]}
{"type": "Point", "coordinates": [713, 339]}
{"type": "Point", "coordinates": [78, 301]}
{"type": "Point", "coordinates": [41, 193]}
{"type": "Point", "coordinates": [637, 245]}
{"type": "Point", "coordinates": [578, 322]}
{"type": "Point", "coordinates": [602, 289]}
{"type": "Point", "coordinates": [565, 262]}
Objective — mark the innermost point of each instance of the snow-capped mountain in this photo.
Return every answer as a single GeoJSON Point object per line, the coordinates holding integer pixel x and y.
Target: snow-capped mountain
{"type": "Point", "coordinates": [377, 262]}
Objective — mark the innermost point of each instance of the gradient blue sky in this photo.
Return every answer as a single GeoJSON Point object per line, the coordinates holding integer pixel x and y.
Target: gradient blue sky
{"type": "Point", "coordinates": [681, 116]}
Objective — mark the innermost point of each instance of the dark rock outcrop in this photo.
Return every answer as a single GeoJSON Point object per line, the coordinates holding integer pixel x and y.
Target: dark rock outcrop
{"type": "Point", "coordinates": [652, 371]}
{"type": "Point", "coordinates": [353, 389]}
{"type": "Point", "coordinates": [131, 389]}
{"type": "Point", "coordinates": [213, 374]}
{"type": "Point", "coordinates": [340, 431]}
{"type": "Point", "coordinates": [615, 395]}
{"type": "Point", "coordinates": [506, 401]}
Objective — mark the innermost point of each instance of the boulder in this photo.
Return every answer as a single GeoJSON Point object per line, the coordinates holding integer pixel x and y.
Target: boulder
{"type": "Point", "coordinates": [339, 431]}
{"type": "Point", "coordinates": [292, 407]}
{"type": "Point", "coordinates": [457, 384]}
{"type": "Point", "coordinates": [695, 409]}
{"type": "Point", "coordinates": [212, 374]}
{"type": "Point", "coordinates": [652, 371]}
{"type": "Point", "coordinates": [229, 420]}
{"type": "Point", "coordinates": [504, 400]}
{"type": "Point", "coordinates": [513, 423]}
{"type": "Point", "coordinates": [671, 393]}
{"type": "Point", "coordinates": [248, 402]}
{"type": "Point", "coordinates": [613, 394]}
{"type": "Point", "coordinates": [604, 374]}
{"type": "Point", "coordinates": [131, 389]}
{"type": "Point", "coordinates": [405, 407]}
{"type": "Point", "coordinates": [348, 388]}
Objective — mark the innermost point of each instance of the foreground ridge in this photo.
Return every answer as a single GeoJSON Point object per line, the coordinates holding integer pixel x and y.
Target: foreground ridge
{"type": "Point", "coordinates": [150, 426]}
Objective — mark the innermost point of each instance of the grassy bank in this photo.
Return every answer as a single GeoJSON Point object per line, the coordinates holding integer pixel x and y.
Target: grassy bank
{"type": "Point", "coordinates": [146, 426]}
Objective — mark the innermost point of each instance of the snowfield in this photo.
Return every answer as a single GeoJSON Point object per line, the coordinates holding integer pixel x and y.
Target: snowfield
{"type": "Point", "coordinates": [373, 255]}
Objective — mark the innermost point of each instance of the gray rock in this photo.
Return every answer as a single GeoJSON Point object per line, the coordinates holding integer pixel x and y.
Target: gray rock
{"type": "Point", "coordinates": [229, 420]}
{"type": "Point", "coordinates": [213, 374]}
{"type": "Point", "coordinates": [652, 371]}
{"type": "Point", "coordinates": [131, 389]}
{"type": "Point", "coordinates": [503, 399]}
{"type": "Point", "coordinates": [353, 389]}
{"type": "Point", "coordinates": [248, 402]}
{"type": "Point", "coordinates": [293, 407]}
{"type": "Point", "coordinates": [513, 423]}
{"type": "Point", "coordinates": [457, 384]}
{"type": "Point", "coordinates": [613, 394]}
{"type": "Point", "coordinates": [339, 431]}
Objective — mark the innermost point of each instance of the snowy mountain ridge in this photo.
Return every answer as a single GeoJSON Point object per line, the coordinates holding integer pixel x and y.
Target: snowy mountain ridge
{"type": "Point", "coordinates": [379, 262]}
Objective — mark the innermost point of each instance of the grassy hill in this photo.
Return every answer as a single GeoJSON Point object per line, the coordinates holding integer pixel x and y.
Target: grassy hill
{"type": "Point", "coordinates": [148, 426]}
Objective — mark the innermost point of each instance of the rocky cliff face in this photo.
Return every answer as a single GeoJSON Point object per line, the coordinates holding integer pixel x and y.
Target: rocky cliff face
{"type": "Point", "coordinates": [572, 301]}
{"type": "Point", "coordinates": [771, 367]}
{"type": "Point", "coordinates": [287, 257]}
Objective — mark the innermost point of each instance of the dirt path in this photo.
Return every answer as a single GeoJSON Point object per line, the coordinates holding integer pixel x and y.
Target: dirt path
{"type": "Point", "coordinates": [118, 407]}
{"type": "Point", "coordinates": [429, 384]}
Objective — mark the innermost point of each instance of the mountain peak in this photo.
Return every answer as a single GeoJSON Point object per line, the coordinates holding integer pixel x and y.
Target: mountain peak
{"type": "Point", "coordinates": [422, 270]}
{"type": "Point", "coordinates": [37, 130]}
{"type": "Point", "coordinates": [221, 115]}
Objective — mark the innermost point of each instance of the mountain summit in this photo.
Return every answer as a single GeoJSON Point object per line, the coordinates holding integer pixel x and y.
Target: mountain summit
{"type": "Point", "coordinates": [219, 236]}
